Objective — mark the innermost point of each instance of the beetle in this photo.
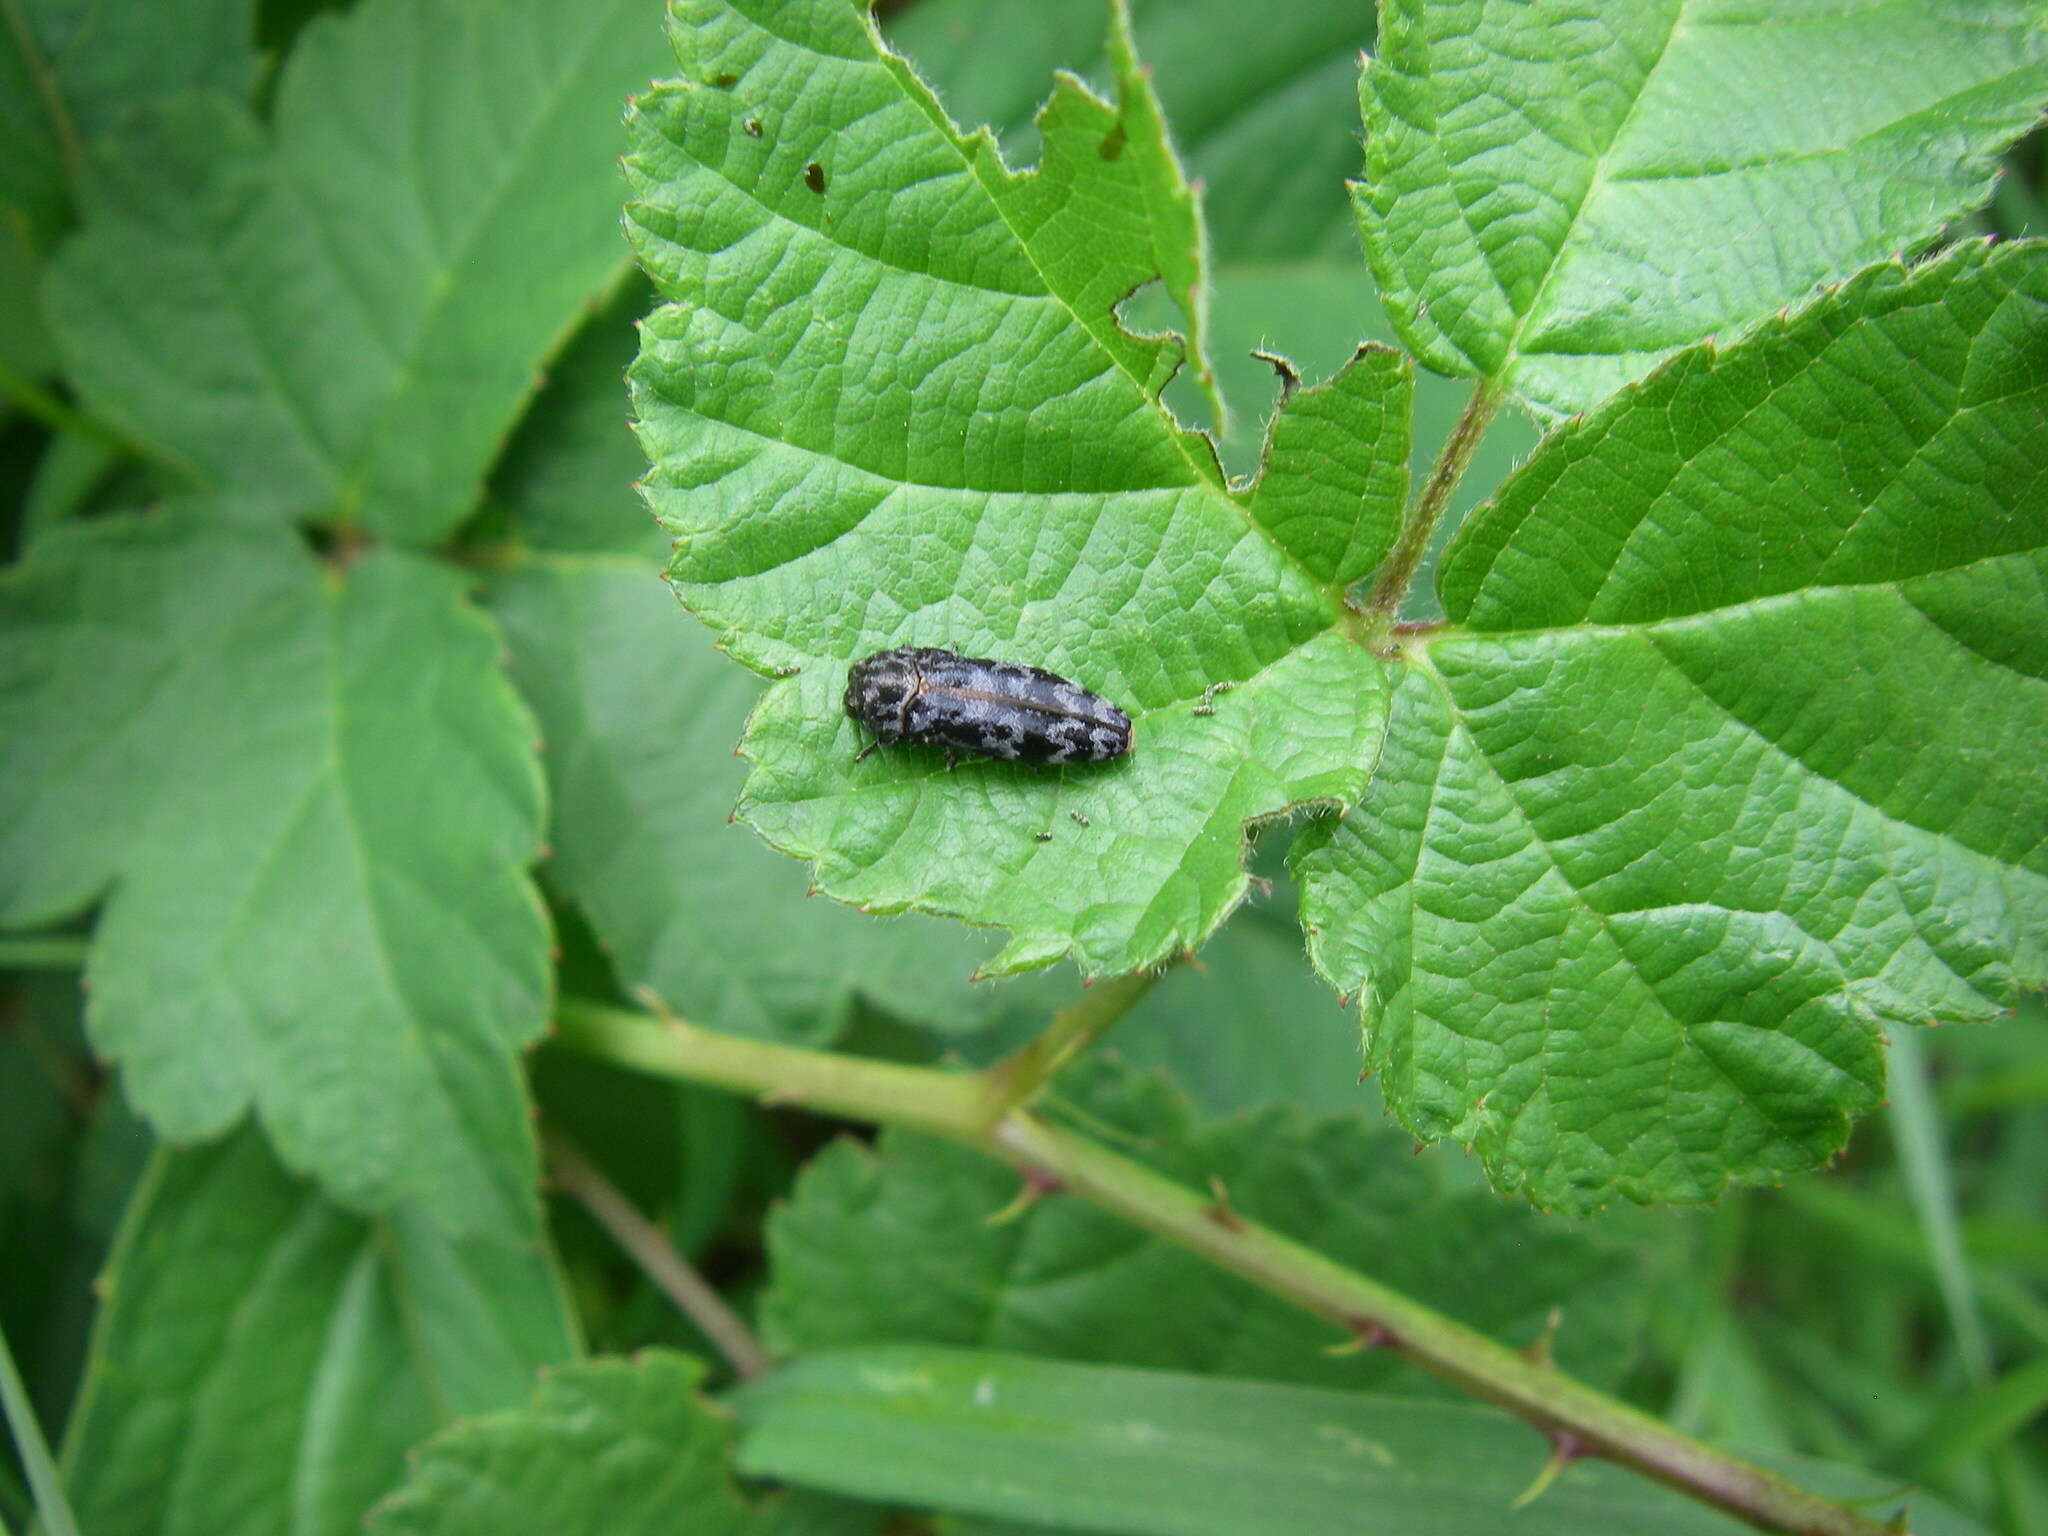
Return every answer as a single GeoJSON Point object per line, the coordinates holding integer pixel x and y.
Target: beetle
{"type": "Point", "coordinates": [999, 709]}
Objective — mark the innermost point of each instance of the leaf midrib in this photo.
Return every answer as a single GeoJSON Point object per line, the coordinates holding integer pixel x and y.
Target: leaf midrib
{"type": "Point", "coordinates": [1884, 816]}
{"type": "Point", "coordinates": [1596, 183]}
{"type": "Point", "coordinates": [514, 163]}
{"type": "Point", "coordinates": [1721, 1176]}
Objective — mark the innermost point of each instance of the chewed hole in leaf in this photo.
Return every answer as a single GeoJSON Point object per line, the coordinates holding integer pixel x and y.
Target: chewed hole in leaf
{"type": "Point", "coordinates": [918, 421]}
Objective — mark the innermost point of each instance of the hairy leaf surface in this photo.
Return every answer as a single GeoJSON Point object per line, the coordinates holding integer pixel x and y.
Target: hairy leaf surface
{"type": "Point", "coordinates": [265, 1359]}
{"type": "Point", "coordinates": [340, 318]}
{"type": "Point", "coordinates": [890, 403]}
{"type": "Point", "coordinates": [1558, 195]}
{"type": "Point", "coordinates": [1732, 759]}
{"type": "Point", "coordinates": [308, 799]}
{"type": "Point", "coordinates": [1265, 124]}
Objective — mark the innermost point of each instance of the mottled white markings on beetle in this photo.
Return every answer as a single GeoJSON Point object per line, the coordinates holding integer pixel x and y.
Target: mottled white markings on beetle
{"type": "Point", "coordinates": [999, 709]}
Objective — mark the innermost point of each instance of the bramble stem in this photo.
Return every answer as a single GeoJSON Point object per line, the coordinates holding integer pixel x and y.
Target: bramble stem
{"type": "Point", "coordinates": [950, 1105]}
{"type": "Point", "coordinates": [648, 1246]}
{"type": "Point", "coordinates": [955, 1107]}
{"type": "Point", "coordinates": [1018, 1077]}
{"type": "Point", "coordinates": [1418, 524]}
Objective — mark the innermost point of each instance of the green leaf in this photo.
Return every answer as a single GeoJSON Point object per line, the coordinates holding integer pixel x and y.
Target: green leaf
{"type": "Point", "coordinates": [611, 1448]}
{"type": "Point", "coordinates": [308, 797]}
{"type": "Point", "coordinates": [1169, 1455]}
{"type": "Point", "coordinates": [1557, 202]}
{"type": "Point", "coordinates": [1336, 468]}
{"type": "Point", "coordinates": [264, 1359]}
{"type": "Point", "coordinates": [566, 478]}
{"type": "Point", "coordinates": [1313, 313]}
{"type": "Point", "coordinates": [1264, 124]}
{"type": "Point", "coordinates": [901, 410]}
{"type": "Point", "coordinates": [1178, 238]}
{"type": "Point", "coordinates": [70, 72]}
{"type": "Point", "coordinates": [70, 473]}
{"type": "Point", "coordinates": [1252, 1025]}
{"type": "Point", "coordinates": [1732, 760]}
{"type": "Point", "coordinates": [1920, 1143]}
{"type": "Point", "coordinates": [340, 319]}
{"type": "Point", "coordinates": [640, 717]}
{"type": "Point", "coordinates": [1982, 1421]}
{"type": "Point", "coordinates": [894, 1244]}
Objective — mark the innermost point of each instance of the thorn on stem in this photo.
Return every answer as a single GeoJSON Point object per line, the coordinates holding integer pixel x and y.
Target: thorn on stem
{"type": "Point", "coordinates": [1033, 1186]}
{"type": "Point", "coordinates": [1220, 1212]}
{"type": "Point", "coordinates": [1565, 1448]}
{"type": "Point", "coordinates": [651, 1000]}
{"type": "Point", "coordinates": [1538, 1352]}
{"type": "Point", "coordinates": [1365, 1335]}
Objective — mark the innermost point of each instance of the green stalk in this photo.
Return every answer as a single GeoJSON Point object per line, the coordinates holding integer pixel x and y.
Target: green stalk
{"type": "Point", "coordinates": [41, 952]}
{"type": "Point", "coordinates": [1020, 1075]}
{"type": "Point", "coordinates": [1418, 523]}
{"type": "Point", "coordinates": [35, 1451]}
{"type": "Point", "coordinates": [33, 400]}
{"type": "Point", "coordinates": [956, 1106]}
{"type": "Point", "coordinates": [951, 1105]}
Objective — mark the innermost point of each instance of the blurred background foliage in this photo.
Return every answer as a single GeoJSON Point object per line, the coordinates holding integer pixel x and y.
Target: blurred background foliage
{"type": "Point", "coordinates": [1891, 1312]}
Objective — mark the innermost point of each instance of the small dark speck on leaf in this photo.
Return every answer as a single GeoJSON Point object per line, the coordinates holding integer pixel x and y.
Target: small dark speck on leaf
{"type": "Point", "coordinates": [725, 82]}
{"type": "Point", "coordinates": [1113, 144]}
{"type": "Point", "coordinates": [814, 178]}
{"type": "Point", "coordinates": [753, 127]}
{"type": "Point", "coordinates": [1041, 837]}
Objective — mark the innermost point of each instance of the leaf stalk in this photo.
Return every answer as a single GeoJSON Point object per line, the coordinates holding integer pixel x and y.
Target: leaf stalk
{"type": "Point", "coordinates": [1017, 1078]}
{"type": "Point", "coordinates": [954, 1106]}
{"type": "Point", "coordinates": [1418, 524]}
